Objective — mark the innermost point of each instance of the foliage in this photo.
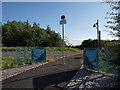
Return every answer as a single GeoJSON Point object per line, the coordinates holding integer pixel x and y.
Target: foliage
{"type": "Point", "coordinates": [110, 55]}
{"type": "Point", "coordinates": [59, 49]}
{"type": "Point", "coordinates": [93, 43]}
{"type": "Point", "coordinates": [48, 49]}
{"type": "Point", "coordinates": [8, 49]}
{"type": "Point", "coordinates": [17, 33]}
{"type": "Point", "coordinates": [113, 20]}
{"type": "Point", "coordinates": [8, 62]}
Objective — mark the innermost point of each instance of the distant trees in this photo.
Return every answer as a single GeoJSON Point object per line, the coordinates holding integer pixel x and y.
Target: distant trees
{"type": "Point", "coordinates": [17, 33]}
{"type": "Point", "coordinates": [93, 43]}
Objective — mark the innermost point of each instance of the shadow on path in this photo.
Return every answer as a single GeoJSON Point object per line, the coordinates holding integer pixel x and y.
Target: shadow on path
{"type": "Point", "coordinates": [54, 74]}
{"type": "Point", "coordinates": [58, 80]}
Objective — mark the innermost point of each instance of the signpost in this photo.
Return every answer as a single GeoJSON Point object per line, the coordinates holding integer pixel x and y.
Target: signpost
{"type": "Point", "coordinates": [62, 22]}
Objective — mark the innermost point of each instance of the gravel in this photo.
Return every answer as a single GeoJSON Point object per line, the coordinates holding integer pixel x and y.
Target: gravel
{"type": "Point", "coordinates": [86, 78]}
{"type": "Point", "coordinates": [7, 73]}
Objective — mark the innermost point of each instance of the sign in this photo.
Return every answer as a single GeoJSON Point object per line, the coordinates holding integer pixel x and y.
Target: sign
{"type": "Point", "coordinates": [91, 58]}
{"type": "Point", "coordinates": [38, 55]}
{"type": "Point", "coordinates": [62, 22]}
{"type": "Point", "coordinates": [62, 17]}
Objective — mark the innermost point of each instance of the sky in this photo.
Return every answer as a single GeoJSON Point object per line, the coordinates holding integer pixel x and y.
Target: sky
{"type": "Point", "coordinates": [80, 17]}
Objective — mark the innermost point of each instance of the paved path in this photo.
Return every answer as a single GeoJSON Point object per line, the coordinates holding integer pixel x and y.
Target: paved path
{"type": "Point", "coordinates": [52, 75]}
{"type": "Point", "coordinates": [7, 73]}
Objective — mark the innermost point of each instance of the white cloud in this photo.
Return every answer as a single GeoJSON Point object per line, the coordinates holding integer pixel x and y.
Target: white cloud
{"type": "Point", "coordinates": [79, 41]}
{"type": "Point", "coordinates": [74, 42]}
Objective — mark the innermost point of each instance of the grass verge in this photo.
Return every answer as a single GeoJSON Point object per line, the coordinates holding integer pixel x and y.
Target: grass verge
{"type": "Point", "coordinates": [48, 49]}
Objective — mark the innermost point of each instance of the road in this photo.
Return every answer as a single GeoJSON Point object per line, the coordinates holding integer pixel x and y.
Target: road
{"type": "Point", "coordinates": [54, 75]}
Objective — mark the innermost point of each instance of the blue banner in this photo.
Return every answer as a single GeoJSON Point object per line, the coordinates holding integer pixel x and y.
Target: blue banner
{"type": "Point", "coordinates": [38, 55]}
{"type": "Point", "coordinates": [91, 58]}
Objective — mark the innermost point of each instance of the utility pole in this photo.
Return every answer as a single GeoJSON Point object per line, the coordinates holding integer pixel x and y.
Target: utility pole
{"type": "Point", "coordinates": [62, 22]}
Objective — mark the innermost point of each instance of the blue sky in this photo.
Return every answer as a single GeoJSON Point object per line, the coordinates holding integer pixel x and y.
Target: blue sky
{"type": "Point", "coordinates": [80, 16]}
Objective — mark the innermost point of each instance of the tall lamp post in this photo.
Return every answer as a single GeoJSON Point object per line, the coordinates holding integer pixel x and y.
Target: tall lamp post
{"type": "Point", "coordinates": [98, 33]}
{"type": "Point", "coordinates": [62, 22]}
{"type": "Point", "coordinates": [98, 39]}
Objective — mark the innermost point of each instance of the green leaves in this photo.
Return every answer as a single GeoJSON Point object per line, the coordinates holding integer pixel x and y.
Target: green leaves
{"type": "Point", "coordinates": [17, 33]}
{"type": "Point", "coordinates": [113, 20]}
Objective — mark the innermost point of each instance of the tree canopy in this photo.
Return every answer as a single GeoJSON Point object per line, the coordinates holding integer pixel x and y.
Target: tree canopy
{"type": "Point", "coordinates": [18, 33]}
{"type": "Point", "coordinates": [113, 19]}
{"type": "Point", "coordinates": [93, 43]}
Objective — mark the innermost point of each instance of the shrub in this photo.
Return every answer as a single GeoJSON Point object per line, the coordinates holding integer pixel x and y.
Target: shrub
{"type": "Point", "coordinates": [110, 55]}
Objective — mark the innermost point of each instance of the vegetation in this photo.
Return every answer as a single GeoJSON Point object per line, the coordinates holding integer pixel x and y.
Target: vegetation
{"type": "Point", "coordinates": [8, 62]}
{"type": "Point", "coordinates": [109, 53]}
{"type": "Point", "coordinates": [8, 49]}
{"type": "Point", "coordinates": [17, 33]}
{"type": "Point", "coordinates": [59, 49]}
{"type": "Point", "coordinates": [48, 49]}
{"type": "Point", "coordinates": [113, 20]}
{"type": "Point", "coordinates": [93, 43]}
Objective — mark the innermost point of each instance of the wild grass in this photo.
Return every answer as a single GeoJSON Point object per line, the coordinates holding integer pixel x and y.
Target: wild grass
{"type": "Point", "coordinates": [59, 49]}
{"type": "Point", "coordinates": [48, 49]}
{"type": "Point", "coordinates": [8, 62]}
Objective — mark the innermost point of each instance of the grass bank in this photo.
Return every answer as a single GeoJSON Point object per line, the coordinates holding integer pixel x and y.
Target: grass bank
{"type": "Point", "coordinates": [10, 61]}
{"type": "Point", "coordinates": [59, 49]}
{"type": "Point", "coordinates": [48, 49]}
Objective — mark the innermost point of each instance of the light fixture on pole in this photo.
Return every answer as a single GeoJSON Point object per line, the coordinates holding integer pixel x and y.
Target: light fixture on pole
{"type": "Point", "coordinates": [98, 33]}
{"type": "Point", "coordinates": [62, 22]}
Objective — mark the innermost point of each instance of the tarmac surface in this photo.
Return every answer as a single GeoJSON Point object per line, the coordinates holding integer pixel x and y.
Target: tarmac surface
{"type": "Point", "coordinates": [54, 75]}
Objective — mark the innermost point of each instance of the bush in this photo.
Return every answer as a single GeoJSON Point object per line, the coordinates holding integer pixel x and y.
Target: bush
{"type": "Point", "coordinates": [8, 49]}
{"type": "Point", "coordinates": [110, 54]}
{"type": "Point", "coordinates": [8, 62]}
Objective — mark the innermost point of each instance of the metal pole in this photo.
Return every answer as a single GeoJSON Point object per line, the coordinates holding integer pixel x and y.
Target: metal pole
{"type": "Point", "coordinates": [63, 43]}
{"type": "Point", "coordinates": [98, 34]}
{"type": "Point", "coordinates": [62, 22]}
{"type": "Point", "coordinates": [99, 39]}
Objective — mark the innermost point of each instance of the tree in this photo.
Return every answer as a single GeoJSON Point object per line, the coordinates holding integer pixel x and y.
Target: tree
{"type": "Point", "coordinates": [0, 22]}
{"type": "Point", "coordinates": [17, 33]}
{"type": "Point", "coordinates": [113, 22]}
{"type": "Point", "coordinates": [88, 43]}
{"type": "Point", "coordinates": [35, 25]}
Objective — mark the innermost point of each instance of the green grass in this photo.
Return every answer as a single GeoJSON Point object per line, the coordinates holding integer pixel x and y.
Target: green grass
{"type": "Point", "coordinates": [59, 49]}
{"type": "Point", "coordinates": [8, 49]}
{"type": "Point", "coordinates": [8, 62]}
{"type": "Point", "coordinates": [48, 49]}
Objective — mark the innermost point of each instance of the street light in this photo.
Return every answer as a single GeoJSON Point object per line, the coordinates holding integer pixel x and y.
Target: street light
{"type": "Point", "coordinates": [62, 22]}
{"type": "Point", "coordinates": [98, 33]}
